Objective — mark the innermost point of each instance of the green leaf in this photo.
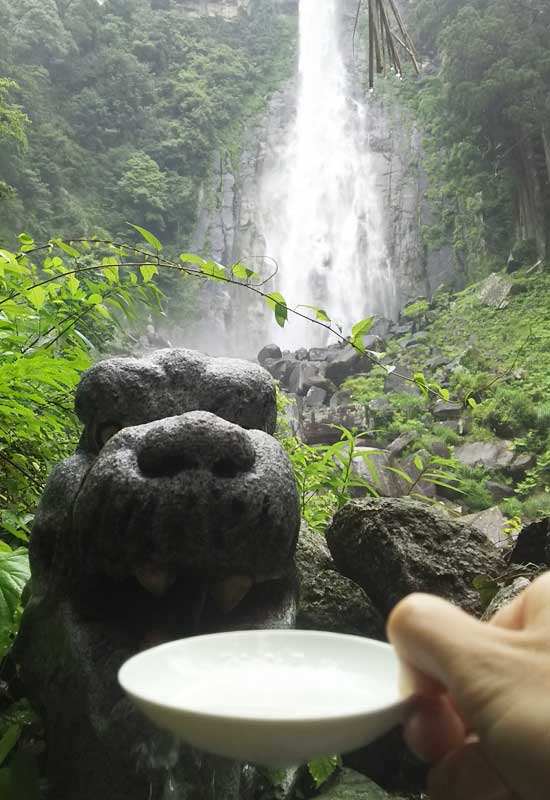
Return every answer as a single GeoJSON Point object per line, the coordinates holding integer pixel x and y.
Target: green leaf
{"type": "Point", "coordinates": [9, 740]}
{"type": "Point", "coordinates": [472, 403]}
{"type": "Point", "coordinates": [110, 269]}
{"type": "Point", "coordinates": [67, 248]}
{"type": "Point", "coordinates": [322, 768]}
{"type": "Point", "coordinates": [277, 303]}
{"type": "Point", "coordinates": [95, 299]}
{"type": "Point", "coordinates": [149, 237]}
{"type": "Point", "coordinates": [213, 270]}
{"type": "Point", "coordinates": [147, 271]}
{"type": "Point", "coordinates": [191, 258]}
{"type": "Point", "coordinates": [73, 284]}
{"type": "Point", "coordinates": [37, 296]}
{"type": "Point", "coordinates": [360, 329]}
{"type": "Point", "coordinates": [401, 474]}
{"type": "Point", "coordinates": [14, 574]}
{"type": "Point", "coordinates": [418, 463]}
{"type": "Point", "coordinates": [242, 272]}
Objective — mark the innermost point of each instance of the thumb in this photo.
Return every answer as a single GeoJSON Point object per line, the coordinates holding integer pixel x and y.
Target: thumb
{"type": "Point", "coordinates": [439, 642]}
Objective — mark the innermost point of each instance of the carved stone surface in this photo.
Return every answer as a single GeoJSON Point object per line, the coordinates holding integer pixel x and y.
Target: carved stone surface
{"type": "Point", "coordinates": [176, 516]}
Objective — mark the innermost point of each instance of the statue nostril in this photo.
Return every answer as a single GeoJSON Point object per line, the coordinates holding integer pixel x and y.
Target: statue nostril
{"type": "Point", "coordinates": [163, 464]}
{"type": "Point", "coordinates": [226, 468]}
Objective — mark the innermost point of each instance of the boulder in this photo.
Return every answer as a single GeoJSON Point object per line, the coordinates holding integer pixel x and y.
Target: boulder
{"type": "Point", "coordinates": [392, 547]}
{"type": "Point", "coordinates": [301, 354]}
{"type": "Point", "coordinates": [382, 327]}
{"type": "Point", "coordinates": [492, 523]}
{"type": "Point", "coordinates": [281, 369]}
{"type": "Point", "coordinates": [330, 601]}
{"type": "Point", "coordinates": [348, 362]}
{"type": "Point", "coordinates": [491, 455]}
{"type": "Point", "coordinates": [444, 410]}
{"type": "Point", "coordinates": [398, 381]}
{"type": "Point", "coordinates": [495, 291]}
{"type": "Point", "coordinates": [521, 464]}
{"type": "Point", "coordinates": [342, 397]}
{"type": "Point", "coordinates": [315, 396]}
{"type": "Point", "coordinates": [533, 544]}
{"type": "Point", "coordinates": [297, 381]}
{"type": "Point", "coordinates": [316, 426]}
{"type": "Point", "coordinates": [351, 785]}
{"type": "Point", "coordinates": [499, 491]}
{"type": "Point", "coordinates": [320, 381]}
{"type": "Point", "coordinates": [400, 444]}
{"type": "Point", "coordinates": [318, 354]}
{"type": "Point", "coordinates": [269, 351]}
{"type": "Point", "coordinates": [367, 461]}
{"type": "Point", "coordinates": [436, 362]}
{"type": "Point", "coordinates": [505, 596]}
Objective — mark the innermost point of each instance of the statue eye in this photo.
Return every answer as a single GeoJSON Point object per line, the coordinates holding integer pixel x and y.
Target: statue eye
{"type": "Point", "coordinates": [106, 432]}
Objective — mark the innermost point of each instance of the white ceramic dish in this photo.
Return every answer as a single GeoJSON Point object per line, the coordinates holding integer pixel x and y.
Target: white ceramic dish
{"type": "Point", "coordinates": [269, 697]}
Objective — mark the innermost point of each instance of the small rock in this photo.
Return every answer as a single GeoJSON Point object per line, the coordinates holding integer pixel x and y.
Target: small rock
{"type": "Point", "coordinates": [269, 351]}
{"type": "Point", "coordinates": [491, 523]}
{"type": "Point", "coordinates": [533, 544]}
{"type": "Point", "coordinates": [504, 597]}
{"type": "Point", "coordinates": [392, 547]}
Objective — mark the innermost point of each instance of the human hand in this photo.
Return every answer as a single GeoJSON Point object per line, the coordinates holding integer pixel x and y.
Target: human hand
{"type": "Point", "coordinates": [482, 716]}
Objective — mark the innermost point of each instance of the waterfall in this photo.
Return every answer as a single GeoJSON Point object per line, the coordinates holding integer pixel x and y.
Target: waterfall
{"type": "Point", "coordinates": [320, 212]}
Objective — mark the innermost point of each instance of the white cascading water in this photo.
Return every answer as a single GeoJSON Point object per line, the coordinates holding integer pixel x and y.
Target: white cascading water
{"type": "Point", "coordinates": [321, 214]}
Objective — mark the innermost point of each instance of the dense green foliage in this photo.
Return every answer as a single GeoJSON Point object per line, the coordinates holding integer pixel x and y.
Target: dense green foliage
{"type": "Point", "coordinates": [484, 107]}
{"type": "Point", "coordinates": [128, 104]}
{"type": "Point", "coordinates": [499, 371]}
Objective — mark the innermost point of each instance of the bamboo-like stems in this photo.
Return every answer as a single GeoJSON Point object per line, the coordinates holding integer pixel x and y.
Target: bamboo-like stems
{"type": "Point", "coordinates": [383, 40]}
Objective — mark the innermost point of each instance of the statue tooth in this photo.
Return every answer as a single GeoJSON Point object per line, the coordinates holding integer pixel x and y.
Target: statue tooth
{"type": "Point", "coordinates": [228, 593]}
{"type": "Point", "coordinates": [153, 580]}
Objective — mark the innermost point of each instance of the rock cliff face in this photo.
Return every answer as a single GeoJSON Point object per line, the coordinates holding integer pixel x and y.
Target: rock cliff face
{"type": "Point", "coordinates": [396, 144]}
{"type": "Point", "coordinates": [229, 225]}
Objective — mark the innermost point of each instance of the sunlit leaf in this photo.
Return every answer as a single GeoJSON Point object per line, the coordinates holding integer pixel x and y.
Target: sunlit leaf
{"type": "Point", "coordinates": [277, 304]}
{"type": "Point", "coordinates": [147, 271]}
{"type": "Point", "coordinates": [149, 237]}
{"type": "Point", "coordinates": [37, 296]}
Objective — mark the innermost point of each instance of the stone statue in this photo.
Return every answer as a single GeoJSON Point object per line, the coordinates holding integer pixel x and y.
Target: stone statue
{"type": "Point", "coordinates": [177, 515]}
